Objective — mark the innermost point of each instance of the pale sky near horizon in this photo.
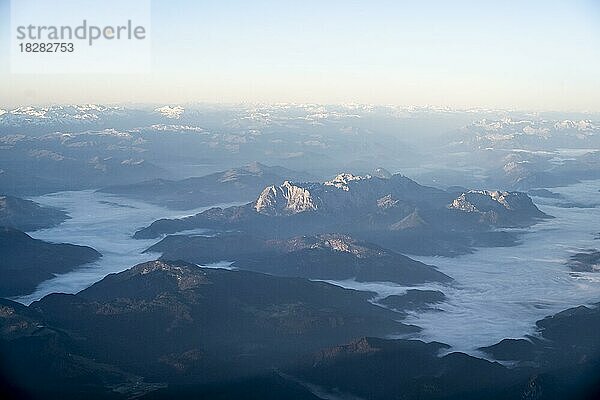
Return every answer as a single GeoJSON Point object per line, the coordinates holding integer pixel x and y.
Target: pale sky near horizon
{"type": "Point", "coordinates": [536, 55]}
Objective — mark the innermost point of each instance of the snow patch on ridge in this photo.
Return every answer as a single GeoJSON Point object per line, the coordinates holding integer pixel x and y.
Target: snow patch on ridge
{"type": "Point", "coordinates": [170, 112]}
{"type": "Point", "coordinates": [342, 181]}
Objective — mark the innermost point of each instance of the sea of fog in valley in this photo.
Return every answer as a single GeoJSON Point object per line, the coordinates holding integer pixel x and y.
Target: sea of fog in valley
{"type": "Point", "coordinates": [501, 292]}
{"type": "Point", "coordinates": [106, 223]}
{"type": "Point", "coordinates": [497, 293]}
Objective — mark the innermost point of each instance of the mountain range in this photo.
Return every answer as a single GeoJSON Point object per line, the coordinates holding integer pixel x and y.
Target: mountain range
{"type": "Point", "coordinates": [174, 322]}
{"type": "Point", "coordinates": [99, 146]}
{"type": "Point", "coordinates": [395, 212]}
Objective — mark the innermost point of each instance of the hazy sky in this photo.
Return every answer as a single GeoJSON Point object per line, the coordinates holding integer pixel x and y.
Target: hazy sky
{"type": "Point", "coordinates": [542, 55]}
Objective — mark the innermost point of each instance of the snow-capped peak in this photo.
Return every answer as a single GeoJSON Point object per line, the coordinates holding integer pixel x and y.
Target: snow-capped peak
{"type": "Point", "coordinates": [342, 181]}
{"type": "Point", "coordinates": [583, 125]}
{"type": "Point", "coordinates": [170, 112]}
{"type": "Point", "coordinates": [58, 114]}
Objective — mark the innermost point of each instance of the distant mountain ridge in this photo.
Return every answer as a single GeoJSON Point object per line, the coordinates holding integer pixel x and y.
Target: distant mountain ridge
{"type": "Point", "coordinates": [229, 186]}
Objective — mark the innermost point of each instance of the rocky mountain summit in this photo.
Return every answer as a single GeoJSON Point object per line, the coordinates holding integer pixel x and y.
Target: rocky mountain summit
{"type": "Point", "coordinates": [284, 200]}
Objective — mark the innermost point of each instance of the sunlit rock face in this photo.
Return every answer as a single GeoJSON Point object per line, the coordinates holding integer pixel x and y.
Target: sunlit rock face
{"type": "Point", "coordinates": [498, 207]}
{"type": "Point", "coordinates": [485, 200]}
{"type": "Point", "coordinates": [284, 200]}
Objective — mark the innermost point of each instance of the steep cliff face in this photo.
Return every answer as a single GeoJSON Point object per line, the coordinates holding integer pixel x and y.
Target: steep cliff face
{"type": "Point", "coordinates": [285, 200]}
